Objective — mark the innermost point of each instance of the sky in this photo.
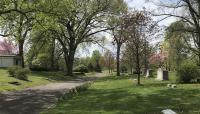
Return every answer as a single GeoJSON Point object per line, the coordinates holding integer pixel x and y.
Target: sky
{"type": "Point", "coordinates": [152, 7]}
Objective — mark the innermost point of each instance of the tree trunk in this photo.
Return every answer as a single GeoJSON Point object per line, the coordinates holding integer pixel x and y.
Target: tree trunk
{"type": "Point", "coordinates": [66, 60]}
{"type": "Point", "coordinates": [69, 54]}
{"type": "Point", "coordinates": [138, 65]}
{"type": "Point", "coordinates": [70, 64]}
{"type": "Point", "coordinates": [118, 59]}
{"type": "Point", "coordinates": [21, 53]}
{"type": "Point", "coordinates": [131, 69]}
{"type": "Point", "coordinates": [52, 55]}
{"type": "Point", "coordinates": [109, 65]}
{"type": "Point", "coordinates": [21, 40]}
{"type": "Point", "coordinates": [145, 58]}
{"type": "Point", "coordinates": [52, 61]}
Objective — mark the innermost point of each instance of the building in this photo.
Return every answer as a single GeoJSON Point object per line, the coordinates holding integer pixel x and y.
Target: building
{"type": "Point", "coordinates": [9, 54]}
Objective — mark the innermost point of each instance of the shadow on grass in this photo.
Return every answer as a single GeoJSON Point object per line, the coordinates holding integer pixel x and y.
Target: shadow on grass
{"type": "Point", "coordinates": [131, 100]}
{"type": "Point", "coordinates": [112, 78]}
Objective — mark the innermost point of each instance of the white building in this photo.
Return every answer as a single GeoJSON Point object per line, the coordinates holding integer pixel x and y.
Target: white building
{"type": "Point", "coordinates": [9, 60]}
{"type": "Point", "coordinates": [8, 54]}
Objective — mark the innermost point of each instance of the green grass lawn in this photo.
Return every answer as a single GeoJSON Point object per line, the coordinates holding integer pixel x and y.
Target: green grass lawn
{"type": "Point", "coordinates": [36, 78]}
{"type": "Point", "coordinates": [114, 95]}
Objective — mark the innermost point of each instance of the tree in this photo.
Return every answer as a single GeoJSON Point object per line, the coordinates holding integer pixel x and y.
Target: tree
{"type": "Point", "coordinates": [128, 58]}
{"type": "Point", "coordinates": [76, 22]}
{"type": "Point", "coordinates": [109, 61]}
{"type": "Point", "coordinates": [17, 21]}
{"type": "Point", "coordinates": [190, 17]}
{"type": "Point", "coordinates": [119, 40]}
{"type": "Point", "coordinates": [95, 60]}
{"type": "Point", "coordinates": [176, 44]}
{"type": "Point", "coordinates": [43, 43]}
{"type": "Point", "coordinates": [10, 6]}
{"type": "Point", "coordinates": [117, 24]}
{"type": "Point", "coordinates": [139, 26]}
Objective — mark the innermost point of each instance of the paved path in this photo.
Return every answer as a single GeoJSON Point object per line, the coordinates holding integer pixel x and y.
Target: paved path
{"type": "Point", "coordinates": [34, 100]}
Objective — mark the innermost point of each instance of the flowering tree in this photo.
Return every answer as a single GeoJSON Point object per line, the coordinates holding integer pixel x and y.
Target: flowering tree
{"type": "Point", "coordinates": [7, 47]}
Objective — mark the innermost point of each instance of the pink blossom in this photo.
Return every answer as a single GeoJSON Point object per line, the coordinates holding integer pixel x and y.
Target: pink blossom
{"type": "Point", "coordinates": [8, 48]}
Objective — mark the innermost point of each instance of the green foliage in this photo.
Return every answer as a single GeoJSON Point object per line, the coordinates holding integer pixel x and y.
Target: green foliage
{"type": "Point", "coordinates": [90, 67]}
{"type": "Point", "coordinates": [12, 69]}
{"type": "Point", "coordinates": [95, 60]}
{"type": "Point", "coordinates": [22, 74]}
{"type": "Point", "coordinates": [81, 68]}
{"type": "Point", "coordinates": [19, 72]}
{"type": "Point", "coordinates": [124, 69]}
{"type": "Point", "coordinates": [187, 73]}
{"type": "Point", "coordinates": [176, 44]}
{"type": "Point", "coordinates": [41, 62]}
{"type": "Point", "coordinates": [96, 56]}
{"type": "Point", "coordinates": [42, 22]}
{"type": "Point", "coordinates": [97, 68]}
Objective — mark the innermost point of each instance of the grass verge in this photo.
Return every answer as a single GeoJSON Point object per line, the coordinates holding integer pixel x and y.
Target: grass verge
{"type": "Point", "coordinates": [120, 95]}
{"type": "Point", "coordinates": [36, 78]}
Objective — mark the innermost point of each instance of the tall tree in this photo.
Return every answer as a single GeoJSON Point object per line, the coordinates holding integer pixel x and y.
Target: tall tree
{"type": "Point", "coordinates": [139, 26]}
{"type": "Point", "coordinates": [176, 44]}
{"type": "Point", "coordinates": [77, 22]}
{"type": "Point", "coordinates": [95, 60]}
{"type": "Point", "coordinates": [109, 60]}
{"type": "Point", "coordinates": [190, 17]}
{"type": "Point", "coordinates": [117, 24]}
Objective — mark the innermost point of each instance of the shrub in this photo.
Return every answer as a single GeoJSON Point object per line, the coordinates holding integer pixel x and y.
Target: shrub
{"type": "Point", "coordinates": [18, 72]}
{"type": "Point", "coordinates": [124, 69]}
{"type": "Point", "coordinates": [187, 73]}
{"type": "Point", "coordinates": [79, 73]}
{"type": "Point", "coordinates": [38, 68]}
{"type": "Point", "coordinates": [98, 68]}
{"type": "Point", "coordinates": [81, 68]}
{"type": "Point", "coordinates": [22, 74]}
{"type": "Point", "coordinates": [12, 69]}
{"type": "Point", "coordinates": [90, 67]}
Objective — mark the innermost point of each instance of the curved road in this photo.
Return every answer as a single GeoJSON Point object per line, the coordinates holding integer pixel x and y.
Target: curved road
{"type": "Point", "coordinates": [34, 100]}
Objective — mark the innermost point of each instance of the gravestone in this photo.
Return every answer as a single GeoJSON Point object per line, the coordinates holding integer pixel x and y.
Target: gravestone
{"type": "Point", "coordinates": [149, 73]}
{"type": "Point", "coordinates": [159, 74]}
{"type": "Point", "coordinates": [162, 74]}
{"type": "Point", "coordinates": [168, 111]}
{"type": "Point", "coordinates": [143, 71]}
{"type": "Point", "coordinates": [165, 75]}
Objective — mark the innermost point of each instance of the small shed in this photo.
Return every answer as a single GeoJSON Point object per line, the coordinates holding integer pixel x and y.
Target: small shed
{"type": "Point", "coordinates": [9, 60]}
{"type": "Point", "coordinates": [9, 54]}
